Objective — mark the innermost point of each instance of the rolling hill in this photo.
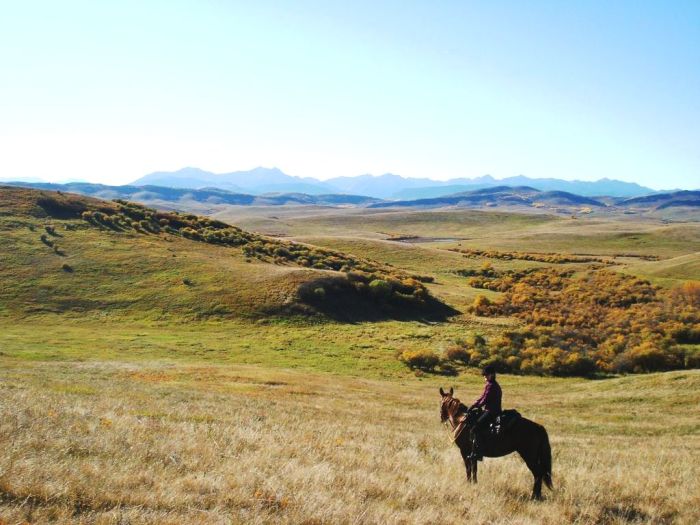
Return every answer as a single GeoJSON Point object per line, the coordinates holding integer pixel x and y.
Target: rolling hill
{"type": "Point", "coordinates": [62, 253]}
{"type": "Point", "coordinates": [600, 187]}
{"type": "Point", "coordinates": [662, 201]}
{"type": "Point", "coordinates": [499, 196]}
{"type": "Point", "coordinates": [183, 196]}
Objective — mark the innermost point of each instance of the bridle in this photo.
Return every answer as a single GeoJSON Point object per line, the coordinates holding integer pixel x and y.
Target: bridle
{"type": "Point", "coordinates": [451, 406]}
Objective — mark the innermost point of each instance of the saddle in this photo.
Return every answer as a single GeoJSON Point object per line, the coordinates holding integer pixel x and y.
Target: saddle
{"type": "Point", "coordinates": [504, 422]}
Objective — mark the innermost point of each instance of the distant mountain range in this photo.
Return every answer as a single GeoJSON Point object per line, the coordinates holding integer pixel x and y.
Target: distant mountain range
{"type": "Point", "coordinates": [388, 186]}
{"type": "Point", "coordinates": [516, 198]}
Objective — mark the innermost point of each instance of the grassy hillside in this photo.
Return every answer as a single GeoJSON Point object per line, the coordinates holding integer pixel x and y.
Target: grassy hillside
{"type": "Point", "coordinates": [62, 253]}
{"type": "Point", "coordinates": [674, 269]}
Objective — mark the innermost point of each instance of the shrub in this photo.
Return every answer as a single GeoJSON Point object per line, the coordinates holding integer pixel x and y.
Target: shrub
{"type": "Point", "coordinates": [692, 359]}
{"type": "Point", "coordinates": [649, 357]}
{"type": "Point", "coordinates": [457, 353]}
{"type": "Point", "coordinates": [481, 305]}
{"type": "Point", "coordinates": [690, 291]}
{"type": "Point", "coordinates": [282, 252]}
{"type": "Point", "coordinates": [62, 207]}
{"type": "Point", "coordinates": [380, 289]}
{"type": "Point", "coordinates": [422, 359]}
{"type": "Point", "coordinates": [67, 268]}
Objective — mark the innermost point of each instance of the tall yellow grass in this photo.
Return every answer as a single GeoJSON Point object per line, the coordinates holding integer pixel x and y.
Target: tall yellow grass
{"type": "Point", "coordinates": [159, 443]}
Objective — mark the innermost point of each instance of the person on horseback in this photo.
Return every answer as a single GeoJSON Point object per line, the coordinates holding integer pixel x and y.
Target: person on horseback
{"type": "Point", "coordinates": [490, 400]}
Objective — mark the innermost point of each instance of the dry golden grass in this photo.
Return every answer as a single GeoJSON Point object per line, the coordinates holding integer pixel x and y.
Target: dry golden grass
{"type": "Point", "coordinates": [164, 443]}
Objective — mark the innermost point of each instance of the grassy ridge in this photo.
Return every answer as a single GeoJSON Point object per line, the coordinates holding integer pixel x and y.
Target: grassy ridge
{"type": "Point", "coordinates": [108, 281]}
{"type": "Point", "coordinates": [85, 262]}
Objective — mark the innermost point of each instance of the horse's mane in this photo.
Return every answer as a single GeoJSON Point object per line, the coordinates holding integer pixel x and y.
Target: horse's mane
{"type": "Point", "coordinates": [461, 407]}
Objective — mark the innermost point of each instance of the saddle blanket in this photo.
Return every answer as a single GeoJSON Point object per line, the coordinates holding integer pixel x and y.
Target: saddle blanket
{"type": "Point", "coordinates": [504, 421]}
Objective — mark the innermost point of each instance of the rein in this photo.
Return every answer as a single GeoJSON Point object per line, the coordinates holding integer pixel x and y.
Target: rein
{"type": "Point", "coordinates": [458, 425]}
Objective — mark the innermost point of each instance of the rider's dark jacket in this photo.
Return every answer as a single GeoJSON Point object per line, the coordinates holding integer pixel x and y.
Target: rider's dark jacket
{"type": "Point", "coordinates": [491, 398]}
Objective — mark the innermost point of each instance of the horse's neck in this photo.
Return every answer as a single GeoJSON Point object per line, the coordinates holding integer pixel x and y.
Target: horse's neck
{"type": "Point", "coordinates": [458, 413]}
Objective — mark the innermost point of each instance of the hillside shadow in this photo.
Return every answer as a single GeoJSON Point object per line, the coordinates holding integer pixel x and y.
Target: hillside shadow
{"type": "Point", "coordinates": [336, 298]}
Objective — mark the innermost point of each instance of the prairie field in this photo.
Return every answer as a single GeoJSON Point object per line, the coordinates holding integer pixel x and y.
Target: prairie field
{"type": "Point", "coordinates": [147, 377]}
{"type": "Point", "coordinates": [166, 442]}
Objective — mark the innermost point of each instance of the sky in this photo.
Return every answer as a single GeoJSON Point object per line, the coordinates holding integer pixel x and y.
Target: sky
{"type": "Point", "coordinates": [109, 91]}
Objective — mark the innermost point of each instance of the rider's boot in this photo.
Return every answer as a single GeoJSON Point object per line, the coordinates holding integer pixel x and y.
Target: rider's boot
{"type": "Point", "coordinates": [476, 449]}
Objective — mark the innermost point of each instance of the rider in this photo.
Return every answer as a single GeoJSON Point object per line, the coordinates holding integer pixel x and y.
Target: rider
{"type": "Point", "coordinates": [491, 401]}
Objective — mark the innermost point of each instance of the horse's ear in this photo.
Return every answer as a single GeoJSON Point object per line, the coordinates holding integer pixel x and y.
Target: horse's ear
{"type": "Point", "coordinates": [441, 392]}
{"type": "Point", "coordinates": [452, 390]}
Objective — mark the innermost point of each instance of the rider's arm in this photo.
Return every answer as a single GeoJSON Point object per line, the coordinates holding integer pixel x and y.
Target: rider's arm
{"type": "Point", "coordinates": [482, 400]}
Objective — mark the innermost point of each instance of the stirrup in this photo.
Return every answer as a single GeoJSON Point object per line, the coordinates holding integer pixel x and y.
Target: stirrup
{"type": "Point", "coordinates": [475, 456]}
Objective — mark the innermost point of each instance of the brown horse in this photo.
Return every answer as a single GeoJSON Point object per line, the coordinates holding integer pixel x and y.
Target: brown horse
{"type": "Point", "coordinates": [525, 437]}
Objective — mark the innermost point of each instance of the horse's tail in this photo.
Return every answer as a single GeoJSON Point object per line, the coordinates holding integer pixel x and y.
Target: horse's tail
{"type": "Point", "coordinates": [545, 459]}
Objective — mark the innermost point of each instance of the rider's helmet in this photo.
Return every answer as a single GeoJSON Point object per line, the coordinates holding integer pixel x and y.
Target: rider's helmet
{"type": "Point", "coordinates": [488, 370]}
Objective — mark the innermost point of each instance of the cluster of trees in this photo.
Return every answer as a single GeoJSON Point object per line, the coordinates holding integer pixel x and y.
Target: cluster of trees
{"type": "Point", "coordinates": [488, 278]}
{"type": "Point", "coordinates": [462, 352]}
{"type": "Point", "coordinates": [602, 321]}
{"type": "Point", "coordinates": [386, 290]}
{"type": "Point", "coordinates": [380, 282]}
{"type": "Point", "coordinates": [555, 258]}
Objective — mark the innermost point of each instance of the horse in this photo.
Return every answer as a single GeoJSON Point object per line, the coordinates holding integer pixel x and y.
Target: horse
{"type": "Point", "coordinates": [527, 438]}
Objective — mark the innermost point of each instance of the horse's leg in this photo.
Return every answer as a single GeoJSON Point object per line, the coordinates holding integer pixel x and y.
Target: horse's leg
{"type": "Point", "coordinates": [531, 462]}
{"type": "Point", "coordinates": [537, 487]}
{"type": "Point", "coordinates": [468, 465]}
{"type": "Point", "coordinates": [475, 468]}
{"type": "Point", "coordinates": [530, 458]}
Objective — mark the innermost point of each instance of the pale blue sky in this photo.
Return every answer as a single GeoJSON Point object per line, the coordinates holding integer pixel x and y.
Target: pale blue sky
{"type": "Point", "coordinates": [109, 91]}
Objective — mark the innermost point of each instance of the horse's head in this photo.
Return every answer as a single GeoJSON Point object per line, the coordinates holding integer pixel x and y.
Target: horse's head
{"type": "Point", "coordinates": [446, 403]}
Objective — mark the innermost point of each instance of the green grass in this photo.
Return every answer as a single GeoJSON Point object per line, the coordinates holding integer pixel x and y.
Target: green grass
{"type": "Point", "coordinates": [362, 349]}
{"type": "Point", "coordinates": [599, 237]}
{"type": "Point", "coordinates": [132, 275]}
{"type": "Point", "coordinates": [669, 271]}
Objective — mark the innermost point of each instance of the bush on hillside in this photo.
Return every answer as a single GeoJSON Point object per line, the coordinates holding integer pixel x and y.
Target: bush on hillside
{"type": "Point", "coordinates": [457, 353]}
{"type": "Point", "coordinates": [421, 359]}
{"type": "Point", "coordinates": [62, 207]}
{"type": "Point", "coordinates": [380, 289]}
{"type": "Point", "coordinates": [48, 242]}
{"type": "Point", "coordinates": [599, 322]}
